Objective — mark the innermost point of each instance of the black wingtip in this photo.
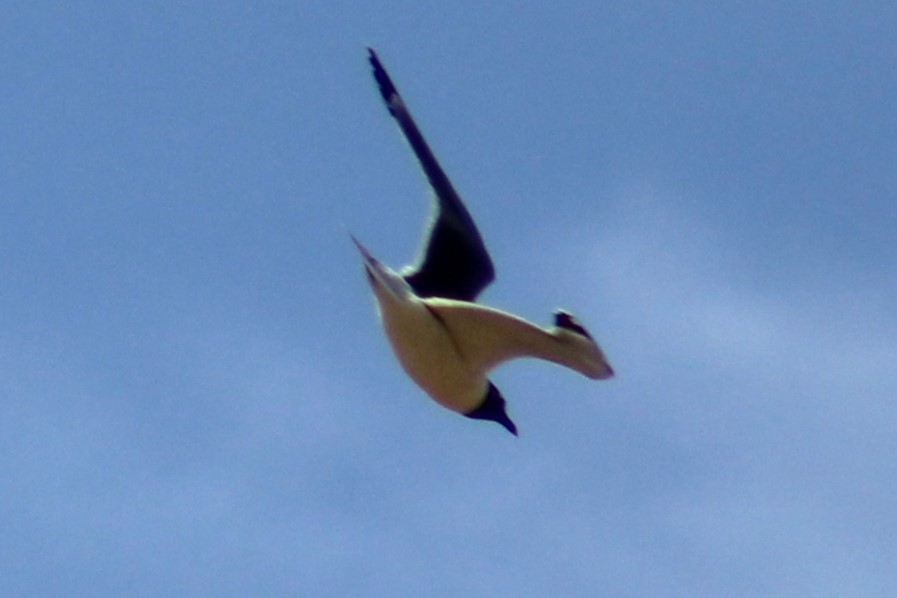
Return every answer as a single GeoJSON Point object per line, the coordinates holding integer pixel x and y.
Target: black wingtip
{"type": "Point", "coordinates": [387, 88]}
{"type": "Point", "coordinates": [373, 58]}
{"type": "Point", "coordinates": [564, 319]}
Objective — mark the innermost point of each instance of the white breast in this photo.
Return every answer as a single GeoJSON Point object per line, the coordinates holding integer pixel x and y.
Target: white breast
{"type": "Point", "coordinates": [430, 356]}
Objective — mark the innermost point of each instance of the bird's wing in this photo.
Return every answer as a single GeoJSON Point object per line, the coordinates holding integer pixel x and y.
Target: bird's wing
{"type": "Point", "coordinates": [486, 337]}
{"type": "Point", "coordinates": [453, 262]}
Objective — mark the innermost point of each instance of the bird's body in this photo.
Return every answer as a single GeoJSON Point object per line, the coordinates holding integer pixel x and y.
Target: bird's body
{"type": "Point", "coordinates": [444, 340]}
{"type": "Point", "coordinates": [449, 346]}
{"type": "Point", "coordinates": [430, 354]}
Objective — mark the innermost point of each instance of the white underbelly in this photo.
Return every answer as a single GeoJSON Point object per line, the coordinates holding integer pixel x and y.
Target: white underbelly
{"type": "Point", "coordinates": [427, 353]}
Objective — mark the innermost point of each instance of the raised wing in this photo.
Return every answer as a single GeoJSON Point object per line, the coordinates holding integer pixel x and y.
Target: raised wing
{"type": "Point", "coordinates": [453, 261]}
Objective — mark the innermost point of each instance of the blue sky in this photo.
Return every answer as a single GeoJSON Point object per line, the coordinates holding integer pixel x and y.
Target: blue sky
{"type": "Point", "coordinates": [196, 397]}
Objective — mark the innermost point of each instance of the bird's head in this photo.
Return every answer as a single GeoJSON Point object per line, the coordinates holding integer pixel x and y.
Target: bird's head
{"type": "Point", "coordinates": [386, 283]}
{"type": "Point", "coordinates": [493, 409]}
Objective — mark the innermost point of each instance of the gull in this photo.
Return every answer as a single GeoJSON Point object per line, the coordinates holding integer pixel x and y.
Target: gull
{"type": "Point", "coordinates": [445, 341]}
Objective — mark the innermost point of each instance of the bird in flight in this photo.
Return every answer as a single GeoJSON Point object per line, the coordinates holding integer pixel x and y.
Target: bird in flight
{"type": "Point", "coordinates": [444, 340]}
